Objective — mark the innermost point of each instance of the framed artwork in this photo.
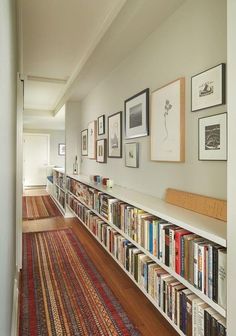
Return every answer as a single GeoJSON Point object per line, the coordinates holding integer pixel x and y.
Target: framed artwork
{"type": "Point", "coordinates": [132, 155]}
{"type": "Point", "coordinates": [61, 149]}
{"type": "Point", "coordinates": [92, 130]}
{"type": "Point", "coordinates": [212, 137]}
{"type": "Point", "coordinates": [115, 135]}
{"type": "Point", "coordinates": [208, 88]}
{"type": "Point", "coordinates": [101, 124]}
{"type": "Point", "coordinates": [168, 122]}
{"type": "Point", "coordinates": [102, 151]}
{"type": "Point", "coordinates": [137, 115]}
{"type": "Point", "coordinates": [84, 142]}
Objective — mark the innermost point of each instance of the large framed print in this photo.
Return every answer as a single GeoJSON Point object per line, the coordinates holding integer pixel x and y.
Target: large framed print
{"type": "Point", "coordinates": [115, 135]}
{"type": "Point", "coordinates": [102, 150]}
{"type": "Point", "coordinates": [208, 88]}
{"type": "Point", "coordinates": [212, 137]}
{"type": "Point", "coordinates": [101, 124]}
{"type": "Point", "coordinates": [92, 133]}
{"type": "Point", "coordinates": [137, 115]}
{"type": "Point", "coordinates": [132, 155]}
{"type": "Point", "coordinates": [168, 122]}
{"type": "Point", "coordinates": [84, 142]}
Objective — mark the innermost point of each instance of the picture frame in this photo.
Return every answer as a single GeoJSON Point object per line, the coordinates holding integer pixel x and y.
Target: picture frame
{"type": "Point", "coordinates": [168, 122]}
{"type": "Point", "coordinates": [208, 88]}
{"type": "Point", "coordinates": [92, 137]}
{"type": "Point", "coordinates": [132, 154]}
{"type": "Point", "coordinates": [101, 125]}
{"type": "Point", "coordinates": [84, 142]}
{"type": "Point", "coordinates": [101, 151]}
{"type": "Point", "coordinates": [61, 149]}
{"type": "Point", "coordinates": [212, 138]}
{"type": "Point", "coordinates": [137, 115]}
{"type": "Point", "coordinates": [115, 135]}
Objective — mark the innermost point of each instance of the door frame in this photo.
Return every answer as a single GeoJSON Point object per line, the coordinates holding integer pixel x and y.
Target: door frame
{"type": "Point", "coordinates": [48, 143]}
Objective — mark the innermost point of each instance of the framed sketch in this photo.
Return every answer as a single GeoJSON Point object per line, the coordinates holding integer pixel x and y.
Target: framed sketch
{"type": "Point", "coordinates": [115, 135]}
{"type": "Point", "coordinates": [208, 88]}
{"type": "Point", "coordinates": [168, 122]}
{"type": "Point", "coordinates": [61, 149]}
{"type": "Point", "coordinates": [84, 142]}
{"type": "Point", "coordinates": [212, 137]}
{"type": "Point", "coordinates": [92, 132]}
{"type": "Point", "coordinates": [101, 124]}
{"type": "Point", "coordinates": [137, 115]}
{"type": "Point", "coordinates": [132, 155]}
{"type": "Point", "coordinates": [102, 151]}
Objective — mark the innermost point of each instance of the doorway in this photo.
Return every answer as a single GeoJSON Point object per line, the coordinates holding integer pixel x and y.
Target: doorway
{"type": "Point", "coordinates": [35, 159]}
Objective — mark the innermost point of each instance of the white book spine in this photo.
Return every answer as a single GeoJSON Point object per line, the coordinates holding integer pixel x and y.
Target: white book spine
{"type": "Point", "coordinates": [210, 271]}
{"type": "Point", "coordinates": [171, 248]}
{"type": "Point", "coordinates": [195, 254]}
{"type": "Point", "coordinates": [200, 319]}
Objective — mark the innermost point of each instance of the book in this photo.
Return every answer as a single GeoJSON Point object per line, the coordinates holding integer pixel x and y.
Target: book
{"type": "Point", "coordinates": [189, 311]}
{"type": "Point", "coordinates": [186, 262]}
{"type": "Point", "coordinates": [178, 235]}
{"type": "Point", "coordinates": [222, 277]}
{"type": "Point", "coordinates": [215, 273]}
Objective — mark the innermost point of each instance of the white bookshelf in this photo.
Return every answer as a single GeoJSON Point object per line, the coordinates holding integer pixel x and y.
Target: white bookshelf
{"type": "Point", "coordinates": [130, 275]}
{"type": "Point", "coordinates": [201, 295]}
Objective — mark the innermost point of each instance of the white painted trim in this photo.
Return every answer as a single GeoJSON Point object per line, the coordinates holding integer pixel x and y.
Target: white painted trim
{"type": "Point", "coordinates": [38, 113]}
{"type": "Point", "coordinates": [15, 307]}
{"type": "Point", "coordinates": [94, 42]}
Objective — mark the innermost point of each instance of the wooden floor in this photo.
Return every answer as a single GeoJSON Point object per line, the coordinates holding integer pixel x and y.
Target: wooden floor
{"type": "Point", "coordinates": [140, 311]}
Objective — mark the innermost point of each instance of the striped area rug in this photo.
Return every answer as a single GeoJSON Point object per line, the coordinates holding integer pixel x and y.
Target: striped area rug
{"type": "Point", "coordinates": [38, 207]}
{"type": "Point", "coordinates": [63, 293]}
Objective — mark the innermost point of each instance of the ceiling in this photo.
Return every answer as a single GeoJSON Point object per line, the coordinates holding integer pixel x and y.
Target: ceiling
{"type": "Point", "coordinates": [68, 46]}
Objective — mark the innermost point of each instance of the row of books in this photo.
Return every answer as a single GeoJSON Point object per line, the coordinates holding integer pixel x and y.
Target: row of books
{"type": "Point", "coordinates": [58, 178]}
{"type": "Point", "coordinates": [59, 195]}
{"type": "Point", "coordinates": [199, 261]}
{"type": "Point", "coordinates": [192, 315]}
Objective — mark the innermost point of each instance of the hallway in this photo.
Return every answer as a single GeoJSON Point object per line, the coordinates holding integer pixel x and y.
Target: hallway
{"type": "Point", "coordinates": [147, 320]}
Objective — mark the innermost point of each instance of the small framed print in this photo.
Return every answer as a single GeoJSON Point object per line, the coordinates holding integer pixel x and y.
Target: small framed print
{"type": "Point", "coordinates": [115, 135]}
{"type": "Point", "coordinates": [208, 88]}
{"type": "Point", "coordinates": [101, 124]}
{"type": "Point", "coordinates": [84, 142]}
{"type": "Point", "coordinates": [92, 134]}
{"type": "Point", "coordinates": [61, 149]}
{"type": "Point", "coordinates": [132, 155]}
{"type": "Point", "coordinates": [137, 115]}
{"type": "Point", "coordinates": [212, 137]}
{"type": "Point", "coordinates": [102, 151]}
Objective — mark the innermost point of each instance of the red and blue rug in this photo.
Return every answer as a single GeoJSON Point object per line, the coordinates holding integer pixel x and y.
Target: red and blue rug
{"type": "Point", "coordinates": [63, 293]}
{"type": "Point", "coordinates": [38, 207]}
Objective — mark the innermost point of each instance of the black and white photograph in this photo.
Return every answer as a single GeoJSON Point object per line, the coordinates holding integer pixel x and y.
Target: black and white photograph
{"type": "Point", "coordinates": [168, 122]}
{"type": "Point", "coordinates": [115, 135]}
{"type": "Point", "coordinates": [61, 149]}
{"type": "Point", "coordinates": [137, 115]}
{"type": "Point", "coordinates": [84, 142]}
{"type": "Point", "coordinates": [92, 134]}
{"type": "Point", "coordinates": [101, 124]}
{"type": "Point", "coordinates": [132, 155]}
{"type": "Point", "coordinates": [101, 150]}
{"type": "Point", "coordinates": [213, 137]}
{"type": "Point", "coordinates": [208, 88]}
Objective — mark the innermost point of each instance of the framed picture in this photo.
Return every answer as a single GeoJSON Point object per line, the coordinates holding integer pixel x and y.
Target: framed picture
{"type": "Point", "coordinates": [168, 122]}
{"type": "Point", "coordinates": [212, 137]}
{"type": "Point", "coordinates": [101, 124]}
{"type": "Point", "coordinates": [208, 88]}
{"type": "Point", "coordinates": [84, 142]}
{"type": "Point", "coordinates": [102, 151]}
{"type": "Point", "coordinates": [115, 135]}
{"type": "Point", "coordinates": [132, 155]}
{"type": "Point", "coordinates": [137, 115]}
{"type": "Point", "coordinates": [61, 149]}
{"type": "Point", "coordinates": [92, 132]}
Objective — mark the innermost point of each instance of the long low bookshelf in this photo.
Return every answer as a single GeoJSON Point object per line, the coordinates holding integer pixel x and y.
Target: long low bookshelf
{"type": "Point", "coordinates": [179, 217]}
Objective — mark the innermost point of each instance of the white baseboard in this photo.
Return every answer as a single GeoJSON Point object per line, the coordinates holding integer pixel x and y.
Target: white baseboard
{"type": "Point", "coordinates": [15, 308]}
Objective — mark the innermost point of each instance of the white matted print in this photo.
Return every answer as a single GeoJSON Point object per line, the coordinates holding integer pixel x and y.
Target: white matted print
{"type": "Point", "coordinates": [84, 142]}
{"type": "Point", "coordinates": [92, 127]}
{"type": "Point", "coordinates": [208, 88]}
{"type": "Point", "coordinates": [115, 135]}
{"type": "Point", "coordinates": [132, 155]}
{"type": "Point", "coordinates": [213, 137]}
{"type": "Point", "coordinates": [101, 150]}
{"type": "Point", "coordinates": [168, 122]}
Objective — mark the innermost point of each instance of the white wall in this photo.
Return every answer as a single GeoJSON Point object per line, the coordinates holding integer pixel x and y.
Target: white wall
{"type": "Point", "coordinates": [8, 77]}
{"type": "Point", "coordinates": [191, 40]}
{"type": "Point", "coordinates": [56, 137]}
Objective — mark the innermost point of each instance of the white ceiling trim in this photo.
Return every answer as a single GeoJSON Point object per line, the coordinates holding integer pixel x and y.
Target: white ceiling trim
{"type": "Point", "coordinates": [38, 113]}
{"type": "Point", "coordinates": [46, 79]}
{"type": "Point", "coordinates": [75, 74]}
